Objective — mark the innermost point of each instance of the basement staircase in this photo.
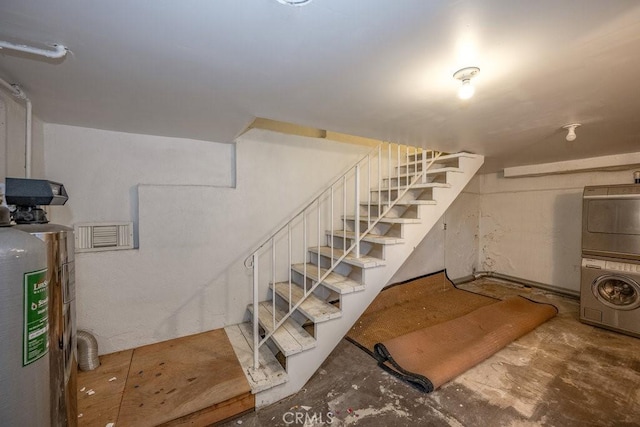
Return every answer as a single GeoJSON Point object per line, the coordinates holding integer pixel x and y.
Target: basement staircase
{"type": "Point", "coordinates": [318, 273]}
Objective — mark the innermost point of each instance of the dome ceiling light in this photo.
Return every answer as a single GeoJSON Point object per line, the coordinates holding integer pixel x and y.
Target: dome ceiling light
{"type": "Point", "coordinates": [295, 2]}
{"type": "Point", "coordinates": [466, 90]}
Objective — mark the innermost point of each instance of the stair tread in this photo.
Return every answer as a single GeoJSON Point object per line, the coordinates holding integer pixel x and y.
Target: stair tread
{"type": "Point", "coordinates": [431, 171]}
{"type": "Point", "coordinates": [387, 220]}
{"type": "Point", "coordinates": [290, 337]}
{"type": "Point", "coordinates": [457, 155]}
{"type": "Point", "coordinates": [312, 307]}
{"type": "Point", "coordinates": [363, 261]}
{"type": "Point", "coordinates": [405, 203]}
{"type": "Point", "coordinates": [415, 186]}
{"type": "Point", "coordinates": [334, 281]}
{"type": "Point", "coordinates": [269, 374]}
{"type": "Point", "coordinates": [369, 237]}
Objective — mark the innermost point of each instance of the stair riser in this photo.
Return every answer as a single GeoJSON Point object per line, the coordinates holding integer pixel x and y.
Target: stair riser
{"type": "Point", "coordinates": [391, 230]}
{"type": "Point", "coordinates": [372, 249]}
{"type": "Point", "coordinates": [398, 211]}
{"type": "Point", "coordinates": [325, 262]}
{"type": "Point", "coordinates": [440, 177]}
{"type": "Point", "coordinates": [299, 315]}
{"type": "Point", "coordinates": [413, 194]}
{"type": "Point", "coordinates": [298, 278]}
{"type": "Point", "coordinates": [453, 162]}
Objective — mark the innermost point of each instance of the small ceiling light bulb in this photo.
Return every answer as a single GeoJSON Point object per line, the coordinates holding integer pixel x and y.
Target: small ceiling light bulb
{"type": "Point", "coordinates": [466, 90]}
{"type": "Point", "coordinates": [571, 131]}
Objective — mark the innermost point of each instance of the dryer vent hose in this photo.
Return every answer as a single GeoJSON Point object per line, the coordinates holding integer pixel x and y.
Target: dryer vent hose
{"type": "Point", "coordinates": [87, 351]}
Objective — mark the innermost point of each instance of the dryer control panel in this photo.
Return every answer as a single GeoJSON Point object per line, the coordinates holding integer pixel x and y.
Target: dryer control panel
{"type": "Point", "coordinates": [610, 265]}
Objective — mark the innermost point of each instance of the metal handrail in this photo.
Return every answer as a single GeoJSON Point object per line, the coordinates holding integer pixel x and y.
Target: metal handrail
{"type": "Point", "coordinates": [252, 260]}
{"type": "Point", "coordinates": [307, 206]}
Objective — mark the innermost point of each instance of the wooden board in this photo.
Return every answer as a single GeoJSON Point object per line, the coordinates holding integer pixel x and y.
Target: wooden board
{"type": "Point", "coordinates": [102, 406]}
{"type": "Point", "coordinates": [222, 411]}
{"type": "Point", "coordinates": [270, 373]}
{"type": "Point", "coordinates": [181, 377]}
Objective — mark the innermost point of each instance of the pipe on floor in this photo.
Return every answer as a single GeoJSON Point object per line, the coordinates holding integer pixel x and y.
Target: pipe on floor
{"type": "Point", "coordinates": [87, 351]}
{"type": "Point", "coordinates": [526, 282]}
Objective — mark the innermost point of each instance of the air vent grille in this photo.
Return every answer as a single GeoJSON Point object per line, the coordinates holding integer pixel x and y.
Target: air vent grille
{"type": "Point", "coordinates": [92, 237]}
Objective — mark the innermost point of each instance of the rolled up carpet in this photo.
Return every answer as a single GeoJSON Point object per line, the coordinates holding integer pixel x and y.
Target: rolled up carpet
{"type": "Point", "coordinates": [430, 357]}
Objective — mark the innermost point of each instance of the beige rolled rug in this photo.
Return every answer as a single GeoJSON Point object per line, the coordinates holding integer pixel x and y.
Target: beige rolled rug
{"type": "Point", "coordinates": [430, 357]}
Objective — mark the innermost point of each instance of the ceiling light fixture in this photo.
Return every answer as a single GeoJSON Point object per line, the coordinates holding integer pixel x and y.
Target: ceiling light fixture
{"type": "Point", "coordinates": [294, 2]}
{"type": "Point", "coordinates": [466, 90]}
{"type": "Point", "coordinates": [571, 131]}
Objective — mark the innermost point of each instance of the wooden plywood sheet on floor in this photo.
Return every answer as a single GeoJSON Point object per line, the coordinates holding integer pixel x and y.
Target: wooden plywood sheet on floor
{"type": "Point", "coordinates": [100, 390]}
{"type": "Point", "coordinates": [177, 378]}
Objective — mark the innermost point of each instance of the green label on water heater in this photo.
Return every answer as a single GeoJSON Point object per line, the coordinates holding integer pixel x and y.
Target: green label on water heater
{"type": "Point", "coordinates": [35, 334]}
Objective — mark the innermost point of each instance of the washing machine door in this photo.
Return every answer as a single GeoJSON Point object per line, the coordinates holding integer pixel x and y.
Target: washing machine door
{"type": "Point", "coordinates": [615, 291]}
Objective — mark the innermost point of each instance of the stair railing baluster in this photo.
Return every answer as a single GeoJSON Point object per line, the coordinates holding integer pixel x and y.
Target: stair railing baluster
{"type": "Point", "coordinates": [389, 173]}
{"type": "Point", "coordinates": [398, 171]}
{"type": "Point", "coordinates": [344, 213]}
{"type": "Point", "coordinates": [415, 162]}
{"type": "Point", "coordinates": [304, 251]}
{"type": "Point", "coordinates": [331, 214]}
{"type": "Point", "coordinates": [406, 172]}
{"type": "Point", "coordinates": [357, 209]}
{"type": "Point", "coordinates": [379, 179]}
{"type": "Point", "coordinates": [289, 261]}
{"type": "Point", "coordinates": [273, 280]}
{"type": "Point", "coordinates": [368, 192]}
{"type": "Point", "coordinates": [256, 345]}
{"type": "Point", "coordinates": [319, 243]}
{"type": "Point", "coordinates": [424, 164]}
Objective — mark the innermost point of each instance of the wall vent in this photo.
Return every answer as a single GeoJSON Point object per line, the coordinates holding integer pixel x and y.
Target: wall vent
{"type": "Point", "coordinates": [103, 236]}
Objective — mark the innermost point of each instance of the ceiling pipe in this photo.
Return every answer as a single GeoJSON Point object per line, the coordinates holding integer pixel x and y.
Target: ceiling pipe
{"type": "Point", "coordinates": [59, 51]}
{"type": "Point", "coordinates": [17, 92]}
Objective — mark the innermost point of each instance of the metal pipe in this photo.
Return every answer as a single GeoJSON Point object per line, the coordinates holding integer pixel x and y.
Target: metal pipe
{"type": "Point", "coordinates": [526, 282]}
{"type": "Point", "coordinates": [59, 51]}
{"type": "Point", "coordinates": [88, 359]}
{"type": "Point", "coordinates": [17, 92]}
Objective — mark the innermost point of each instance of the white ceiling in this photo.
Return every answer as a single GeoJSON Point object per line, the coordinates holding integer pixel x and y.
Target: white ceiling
{"type": "Point", "coordinates": [375, 68]}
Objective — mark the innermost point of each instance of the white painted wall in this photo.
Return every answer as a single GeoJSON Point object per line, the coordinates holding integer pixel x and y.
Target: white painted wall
{"type": "Point", "coordinates": [197, 223]}
{"type": "Point", "coordinates": [454, 248]}
{"type": "Point", "coordinates": [195, 228]}
{"type": "Point", "coordinates": [531, 227]}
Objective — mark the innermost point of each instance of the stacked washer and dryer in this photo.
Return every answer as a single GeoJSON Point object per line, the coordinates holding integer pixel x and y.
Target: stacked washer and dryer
{"type": "Point", "coordinates": [610, 283]}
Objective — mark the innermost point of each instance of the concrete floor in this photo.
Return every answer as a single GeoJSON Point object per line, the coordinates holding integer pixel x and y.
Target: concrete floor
{"type": "Point", "coordinates": [564, 374]}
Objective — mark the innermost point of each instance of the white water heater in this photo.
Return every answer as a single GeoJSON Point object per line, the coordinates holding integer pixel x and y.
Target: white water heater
{"type": "Point", "coordinates": [24, 330]}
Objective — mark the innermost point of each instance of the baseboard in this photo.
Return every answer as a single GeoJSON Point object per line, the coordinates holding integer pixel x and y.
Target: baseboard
{"type": "Point", "coordinates": [526, 282]}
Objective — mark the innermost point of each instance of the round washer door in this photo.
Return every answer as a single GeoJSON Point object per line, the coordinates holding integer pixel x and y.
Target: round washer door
{"type": "Point", "coordinates": [619, 292]}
